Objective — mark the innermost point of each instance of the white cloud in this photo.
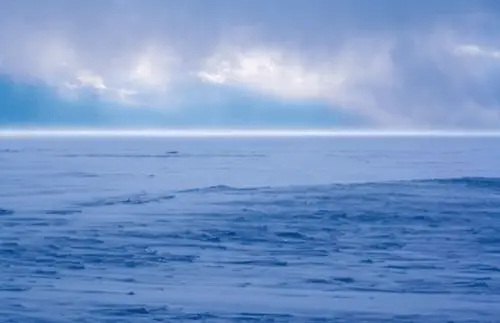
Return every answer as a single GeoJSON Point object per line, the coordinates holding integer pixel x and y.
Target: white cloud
{"type": "Point", "coordinates": [73, 53]}
{"type": "Point", "coordinates": [428, 84]}
{"type": "Point", "coordinates": [92, 80]}
{"type": "Point", "coordinates": [266, 70]}
{"type": "Point", "coordinates": [345, 77]}
{"type": "Point", "coordinates": [476, 50]}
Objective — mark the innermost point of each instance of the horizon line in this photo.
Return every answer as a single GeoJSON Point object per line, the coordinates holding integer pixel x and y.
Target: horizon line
{"type": "Point", "coordinates": [18, 133]}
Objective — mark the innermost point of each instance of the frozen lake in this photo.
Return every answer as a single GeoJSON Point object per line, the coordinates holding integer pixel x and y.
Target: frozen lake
{"type": "Point", "coordinates": [250, 229]}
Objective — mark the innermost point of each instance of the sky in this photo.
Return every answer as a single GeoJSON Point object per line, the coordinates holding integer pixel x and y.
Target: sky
{"type": "Point", "coordinates": [273, 64]}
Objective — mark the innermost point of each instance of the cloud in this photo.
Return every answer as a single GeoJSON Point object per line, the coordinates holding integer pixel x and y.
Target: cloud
{"type": "Point", "coordinates": [478, 51]}
{"type": "Point", "coordinates": [416, 80]}
{"type": "Point", "coordinates": [345, 78]}
{"type": "Point", "coordinates": [61, 62]}
{"type": "Point", "coordinates": [425, 70]}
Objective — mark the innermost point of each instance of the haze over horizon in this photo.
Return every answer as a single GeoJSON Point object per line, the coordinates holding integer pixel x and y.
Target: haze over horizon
{"type": "Point", "coordinates": [284, 64]}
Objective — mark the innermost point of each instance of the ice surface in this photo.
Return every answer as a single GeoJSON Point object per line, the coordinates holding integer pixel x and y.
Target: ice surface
{"type": "Point", "coordinates": [274, 230]}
